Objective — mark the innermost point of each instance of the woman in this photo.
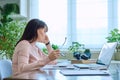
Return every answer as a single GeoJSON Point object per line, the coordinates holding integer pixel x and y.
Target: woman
{"type": "Point", "coordinates": [27, 56]}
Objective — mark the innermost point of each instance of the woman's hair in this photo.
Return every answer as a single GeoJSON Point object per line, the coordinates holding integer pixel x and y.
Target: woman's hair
{"type": "Point", "coordinates": [30, 32]}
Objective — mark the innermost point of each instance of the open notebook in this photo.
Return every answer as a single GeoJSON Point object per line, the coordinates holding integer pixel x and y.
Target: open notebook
{"type": "Point", "coordinates": [104, 58]}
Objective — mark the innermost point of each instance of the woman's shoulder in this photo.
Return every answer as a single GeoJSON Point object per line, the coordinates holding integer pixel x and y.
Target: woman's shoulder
{"type": "Point", "coordinates": [22, 47]}
{"type": "Point", "coordinates": [23, 43]}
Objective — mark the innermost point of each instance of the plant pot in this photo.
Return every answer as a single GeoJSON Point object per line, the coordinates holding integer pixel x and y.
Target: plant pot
{"type": "Point", "coordinates": [117, 55]}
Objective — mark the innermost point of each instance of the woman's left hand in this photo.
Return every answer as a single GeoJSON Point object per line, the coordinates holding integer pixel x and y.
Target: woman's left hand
{"type": "Point", "coordinates": [54, 55]}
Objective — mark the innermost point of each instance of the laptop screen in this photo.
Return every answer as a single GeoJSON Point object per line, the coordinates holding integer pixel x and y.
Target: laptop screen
{"type": "Point", "coordinates": [106, 53]}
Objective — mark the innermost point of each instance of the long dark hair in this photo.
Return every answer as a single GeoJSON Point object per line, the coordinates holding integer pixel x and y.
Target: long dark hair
{"type": "Point", "coordinates": [30, 32]}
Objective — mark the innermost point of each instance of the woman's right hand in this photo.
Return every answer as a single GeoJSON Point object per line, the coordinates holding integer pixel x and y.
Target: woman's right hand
{"type": "Point", "coordinates": [54, 55]}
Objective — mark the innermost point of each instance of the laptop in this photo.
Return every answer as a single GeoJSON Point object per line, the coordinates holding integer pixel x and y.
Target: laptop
{"type": "Point", "coordinates": [104, 58]}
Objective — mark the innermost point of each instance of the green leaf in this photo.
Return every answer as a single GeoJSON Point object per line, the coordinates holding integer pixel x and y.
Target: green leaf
{"type": "Point", "coordinates": [55, 47]}
{"type": "Point", "coordinates": [9, 35]}
{"type": "Point", "coordinates": [113, 36]}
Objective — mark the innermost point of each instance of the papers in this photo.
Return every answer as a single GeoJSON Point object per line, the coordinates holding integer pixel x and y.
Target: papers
{"type": "Point", "coordinates": [59, 67]}
{"type": "Point", "coordinates": [84, 72]}
{"type": "Point", "coordinates": [91, 66]}
{"type": "Point", "coordinates": [82, 66]}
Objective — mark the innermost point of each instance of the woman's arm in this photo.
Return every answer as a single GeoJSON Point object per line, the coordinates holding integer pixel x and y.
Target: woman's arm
{"type": "Point", "coordinates": [49, 48]}
{"type": "Point", "coordinates": [23, 52]}
{"type": "Point", "coordinates": [23, 58]}
{"type": "Point", "coordinates": [24, 65]}
{"type": "Point", "coordinates": [48, 45]}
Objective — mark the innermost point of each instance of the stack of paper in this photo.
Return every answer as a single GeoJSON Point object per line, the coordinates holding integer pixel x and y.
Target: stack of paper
{"type": "Point", "coordinates": [60, 67]}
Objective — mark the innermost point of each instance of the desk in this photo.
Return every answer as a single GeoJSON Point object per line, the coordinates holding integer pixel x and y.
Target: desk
{"type": "Point", "coordinates": [114, 69]}
{"type": "Point", "coordinates": [54, 75]}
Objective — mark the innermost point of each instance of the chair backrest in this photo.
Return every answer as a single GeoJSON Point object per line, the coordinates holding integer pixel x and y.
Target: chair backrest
{"type": "Point", "coordinates": [5, 69]}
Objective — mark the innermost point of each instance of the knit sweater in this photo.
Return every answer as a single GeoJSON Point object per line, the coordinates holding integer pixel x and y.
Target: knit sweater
{"type": "Point", "coordinates": [28, 57]}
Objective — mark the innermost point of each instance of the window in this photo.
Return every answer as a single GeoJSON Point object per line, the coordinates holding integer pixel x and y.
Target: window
{"type": "Point", "coordinates": [119, 14]}
{"type": "Point", "coordinates": [85, 21]}
{"type": "Point", "coordinates": [54, 13]}
{"type": "Point", "coordinates": [91, 22]}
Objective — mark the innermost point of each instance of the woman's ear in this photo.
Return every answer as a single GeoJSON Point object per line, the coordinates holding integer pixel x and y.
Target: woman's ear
{"type": "Point", "coordinates": [46, 29]}
{"type": "Point", "coordinates": [39, 31]}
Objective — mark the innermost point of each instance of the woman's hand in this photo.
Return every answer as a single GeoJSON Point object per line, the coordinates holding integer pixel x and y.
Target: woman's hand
{"type": "Point", "coordinates": [54, 55]}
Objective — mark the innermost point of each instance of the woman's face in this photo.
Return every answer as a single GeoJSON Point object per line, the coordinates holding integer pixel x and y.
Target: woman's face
{"type": "Point", "coordinates": [41, 34]}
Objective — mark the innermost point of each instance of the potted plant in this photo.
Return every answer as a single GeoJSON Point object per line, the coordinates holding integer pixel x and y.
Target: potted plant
{"type": "Point", "coordinates": [6, 10]}
{"type": "Point", "coordinates": [10, 30]}
{"type": "Point", "coordinates": [9, 35]}
{"type": "Point", "coordinates": [114, 36]}
{"type": "Point", "coordinates": [75, 49]}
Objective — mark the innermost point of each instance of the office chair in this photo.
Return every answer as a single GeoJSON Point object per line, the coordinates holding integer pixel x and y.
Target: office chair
{"type": "Point", "coordinates": [5, 69]}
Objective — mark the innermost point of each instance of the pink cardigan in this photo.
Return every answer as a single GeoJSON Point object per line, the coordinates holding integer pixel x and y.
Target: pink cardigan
{"type": "Point", "coordinates": [28, 57]}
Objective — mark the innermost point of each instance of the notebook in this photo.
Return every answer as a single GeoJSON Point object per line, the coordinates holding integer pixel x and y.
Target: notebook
{"type": "Point", "coordinates": [104, 58]}
{"type": "Point", "coordinates": [84, 72]}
